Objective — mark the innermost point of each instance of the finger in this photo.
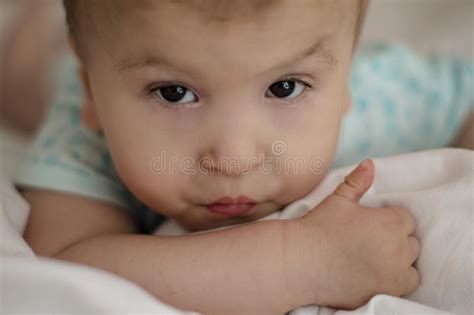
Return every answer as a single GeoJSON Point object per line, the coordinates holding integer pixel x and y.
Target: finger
{"type": "Point", "coordinates": [357, 183]}
{"type": "Point", "coordinates": [414, 249]}
{"type": "Point", "coordinates": [412, 281]}
{"type": "Point", "coordinates": [408, 220]}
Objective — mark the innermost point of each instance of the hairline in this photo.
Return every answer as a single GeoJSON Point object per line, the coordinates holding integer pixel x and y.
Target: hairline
{"type": "Point", "coordinates": [74, 29]}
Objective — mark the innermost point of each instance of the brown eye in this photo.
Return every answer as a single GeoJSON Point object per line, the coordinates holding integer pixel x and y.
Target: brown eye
{"type": "Point", "coordinates": [285, 89]}
{"type": "Point", "coordinates": [175, 94]}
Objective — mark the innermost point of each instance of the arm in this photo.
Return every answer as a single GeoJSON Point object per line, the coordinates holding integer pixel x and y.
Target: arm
{"type": "Point", "coordinates": [32, 43]}
{"type": "Point", "coordinates": [332, 256]}
{"type": "Point", "coordinates": [211, 272]}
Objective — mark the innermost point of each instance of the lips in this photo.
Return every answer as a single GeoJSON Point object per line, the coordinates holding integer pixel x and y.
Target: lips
{"type": "Point", "coordinates": [232, 206]}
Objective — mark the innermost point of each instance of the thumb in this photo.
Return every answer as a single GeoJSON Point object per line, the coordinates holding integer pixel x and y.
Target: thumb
{"type": "Point", "coordinates": [357, 183]}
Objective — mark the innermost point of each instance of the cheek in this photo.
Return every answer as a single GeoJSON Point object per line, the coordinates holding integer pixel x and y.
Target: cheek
{"type": "Point", "coordinates": [143, 157]}
{"type": "Point", "coordinates": [295, 186]}
{"type": "Point", "coordinates": [140, 142]}
{"type": "Point", "coordinates": [154, 180]}
{"type": "Point", "coordinates": [303, 171]}
{"type": "Point", "coordinates": [314, 142]}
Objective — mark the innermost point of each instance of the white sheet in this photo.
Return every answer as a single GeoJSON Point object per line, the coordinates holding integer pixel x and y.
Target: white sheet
{"type": "Point", "coordinates": [436, 185]}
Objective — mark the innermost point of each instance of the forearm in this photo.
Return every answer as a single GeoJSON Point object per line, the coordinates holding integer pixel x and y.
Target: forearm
{"type": "Point", "coordinates": [237, 270]}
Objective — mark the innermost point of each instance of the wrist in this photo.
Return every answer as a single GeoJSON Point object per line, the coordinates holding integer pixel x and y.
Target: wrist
{"type": "Point", "coordinates": [300, 262]}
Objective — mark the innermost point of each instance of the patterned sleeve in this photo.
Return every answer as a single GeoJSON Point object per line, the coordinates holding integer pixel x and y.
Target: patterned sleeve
{"type": "Point", "coordinates": [403, 102]}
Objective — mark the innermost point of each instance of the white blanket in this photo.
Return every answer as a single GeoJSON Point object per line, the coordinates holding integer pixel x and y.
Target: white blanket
{"type": "Point", "coordinates": [437, 186]}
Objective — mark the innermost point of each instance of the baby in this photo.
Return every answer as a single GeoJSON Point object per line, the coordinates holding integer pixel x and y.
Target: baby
{"type": "Point", "coordinates": [218, 113]}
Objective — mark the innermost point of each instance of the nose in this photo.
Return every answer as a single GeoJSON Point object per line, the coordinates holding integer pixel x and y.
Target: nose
{"type": "Point", "coordinates": [231, 158]}
{"type": "Point", "coordinates": [234, 144]}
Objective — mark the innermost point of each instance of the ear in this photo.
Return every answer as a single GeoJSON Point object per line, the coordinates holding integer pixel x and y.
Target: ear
{"type": "Point", "coordinates": [88, 109]}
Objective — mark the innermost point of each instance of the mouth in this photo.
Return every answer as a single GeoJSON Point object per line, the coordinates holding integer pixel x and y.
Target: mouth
{"type": "Point", "coordinates": [232, 206]}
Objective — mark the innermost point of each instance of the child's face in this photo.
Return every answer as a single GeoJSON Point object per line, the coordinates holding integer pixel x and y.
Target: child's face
{"type": "Point", "coordinates": [220, 126]}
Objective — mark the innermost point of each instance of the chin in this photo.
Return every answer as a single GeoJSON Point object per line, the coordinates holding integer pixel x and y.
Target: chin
{"type": "Point", "coordinates": [210, 224]}
{"type": "Point", "coordinates": [200, 221]}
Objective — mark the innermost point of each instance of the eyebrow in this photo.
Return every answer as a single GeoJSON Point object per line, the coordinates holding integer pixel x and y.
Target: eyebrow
{"type": "Point", "coordinates": [317, 51]}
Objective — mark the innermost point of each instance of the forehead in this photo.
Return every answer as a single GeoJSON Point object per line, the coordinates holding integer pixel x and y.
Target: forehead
{"type": "Point", "coordinates": [221, 28]}
{"type": "Point", "coordinates": [213, 10]}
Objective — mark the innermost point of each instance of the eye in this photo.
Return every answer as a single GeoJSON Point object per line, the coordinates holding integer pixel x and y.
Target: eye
{"type": "Point", "coordinates": [174, 94]}
{"type": "Point", "coordinates": [286, 89]}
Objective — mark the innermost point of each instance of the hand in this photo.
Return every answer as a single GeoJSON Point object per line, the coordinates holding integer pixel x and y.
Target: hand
{"type": "Point", "coordinates": [359, 251]}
